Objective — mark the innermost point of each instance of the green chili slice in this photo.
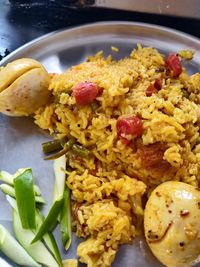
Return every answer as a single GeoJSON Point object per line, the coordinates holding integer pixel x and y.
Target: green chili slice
{"type": "Point", "coordinates": [25, 197]}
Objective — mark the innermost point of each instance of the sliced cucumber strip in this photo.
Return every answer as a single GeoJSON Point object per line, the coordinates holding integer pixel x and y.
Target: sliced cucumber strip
{"type": "Point", "coordinates": [38, 251]}
{"type": "Point", "coordinates": [13, 250]}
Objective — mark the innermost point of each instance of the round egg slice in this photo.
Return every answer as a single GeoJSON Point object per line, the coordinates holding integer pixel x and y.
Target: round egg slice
{"type": "Point", "coordinates": [172, 224]}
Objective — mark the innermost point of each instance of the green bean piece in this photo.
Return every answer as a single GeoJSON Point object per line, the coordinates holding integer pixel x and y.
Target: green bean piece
{"type": "Point", "coordinates": [66, 148]}
{"type": "Point", "coordinates": [80, 151]}
{"type": "Point", "coordinates": [51, 146]}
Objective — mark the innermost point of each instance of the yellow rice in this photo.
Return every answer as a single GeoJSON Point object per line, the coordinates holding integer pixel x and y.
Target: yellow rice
{"type": "Point", "coordinates": [108, 203]}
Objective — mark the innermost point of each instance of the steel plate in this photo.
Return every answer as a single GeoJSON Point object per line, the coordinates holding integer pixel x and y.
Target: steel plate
{"type": "Point", "coordinates": [20, 139]}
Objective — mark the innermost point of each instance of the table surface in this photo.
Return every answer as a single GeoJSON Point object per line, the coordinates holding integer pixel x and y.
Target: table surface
{"type": "Point", "coordinates": [22, 21]}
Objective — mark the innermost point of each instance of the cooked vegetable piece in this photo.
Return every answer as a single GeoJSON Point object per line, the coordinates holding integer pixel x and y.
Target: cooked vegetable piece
{"type": "Point", "coordinates": [151, 90]}
{"type": "Point", "coordinates": [9, 190]}
{"type": "Point", "coordinates": [154, 88]}
{"type": "Point", "coordinates": [129, 127]}
{"type": "Point", "coordinates": [37, 250]}
{"type": "Point", "coordinates": [65, 223]}
{"type": "Point", "coordinates": [81, 151]}
{"type": "Point", "coordinates": [25, 198]}
{"type": "Point", "coordinates": [13, 250]}
{"type": "Point", "coordinates": [52, 146]}
{"type": "Point", "coordinates": [66, 148]}
{"type": "Point", "coordinates": [158, 84]}
{"type": "Point", "coordinates": [174, 65]}
{"type": "Point", "coordinates": [85, 92]}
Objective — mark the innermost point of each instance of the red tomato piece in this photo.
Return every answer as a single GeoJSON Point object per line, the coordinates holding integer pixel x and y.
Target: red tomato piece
{"type": "Point", "coordinates": [85, 93]}
{"type": "Point", "coordinates": [173, 63]}
{"type": "Point", "coordinates": [158, 84]}
{"type": "Point", "coordinates": [154, 88]}
{"type": "Point", "coordinates": [150, 90]}
{"type": "Point", "coordinates": [128, 128]}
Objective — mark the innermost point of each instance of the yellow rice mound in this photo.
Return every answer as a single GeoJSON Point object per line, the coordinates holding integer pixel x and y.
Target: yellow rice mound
{"type": "Point", "coordinates": [108, 187]}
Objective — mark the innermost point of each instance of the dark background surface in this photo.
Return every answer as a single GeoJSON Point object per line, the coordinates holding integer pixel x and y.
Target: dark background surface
{"type": "Point", "coordinates": [22, 21]}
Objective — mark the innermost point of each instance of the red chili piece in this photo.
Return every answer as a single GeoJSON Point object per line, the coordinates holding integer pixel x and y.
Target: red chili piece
{"type": "Point", "coordinates": [129, 127]}
{"type": "Point", "coordinates": [85, 92]}
{"type": "Point", "coordinates": [173, 63]}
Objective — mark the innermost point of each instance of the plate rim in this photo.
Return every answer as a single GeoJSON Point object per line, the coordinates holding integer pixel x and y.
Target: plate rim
{"type": "Point", "coordinates": [36, 40]}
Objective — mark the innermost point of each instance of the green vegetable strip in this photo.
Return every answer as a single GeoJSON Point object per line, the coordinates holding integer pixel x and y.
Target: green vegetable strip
{"type": "Point", "coordinates": [50, 220]}
{"type": "Point", "coordinates": [36, 188]}
{"type": "Point", "coordinates": [8, 178]}
{"type": "Point", "coordinates": [51, 146]}
{"type": "Point", "coordinates": [9, 190]}
{"type": "Point", "coordinates": [48, 237]}
{"type": "Point", "coordinates": [80, 151]}
{"type": "Point", "coordinates": [25, 198]}
{"type": "Point", "coordinates": [59, 166]}
{"type": "Point", "coordinates": [66, 147]}
{"type": "Point", "coordinates": [13, 250]}
{"type": "Point", "coordinates": [65, 223]}
{"type": "Point", "coordinates": [38, 250]}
